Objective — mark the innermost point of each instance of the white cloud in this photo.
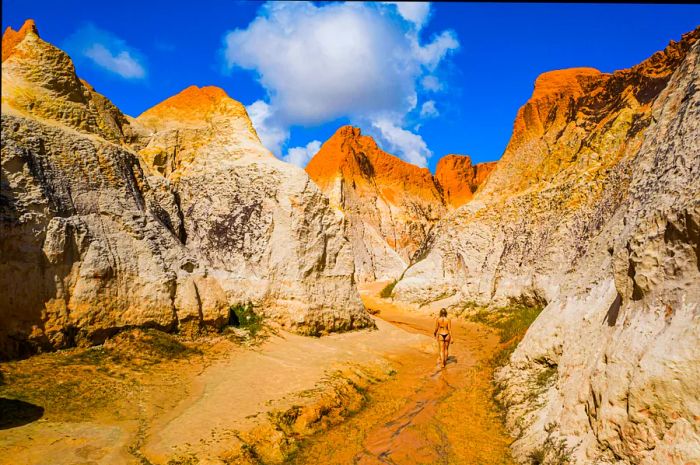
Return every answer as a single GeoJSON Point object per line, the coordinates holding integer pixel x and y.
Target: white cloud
{"type": "Point", "coordinates": [431, 83]}
{"type": "Point", "coordinates": [271, 135]}
{"type": "Point", "coordinates": [360, 61]}
{"type": "Point", "coordinates": [105, 50]}
{"type": "Point", "coordinates": [123, 63]}
{"type": "Point", "coordinates": [428, 110]}
{"type": "Point", "coordinates": [414, 12]}
{"type": "Point", "coordinates": [412, 146]}
{"type": "Point", "coordinates": [300, 156]}
{"type": "Point", "coordinates": [432, 54]}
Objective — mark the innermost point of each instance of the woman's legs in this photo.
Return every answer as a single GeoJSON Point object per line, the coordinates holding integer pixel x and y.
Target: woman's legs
{"type": "Point", "coordinates": [445, 350]}
{"type": "Point", "coordinates": [438, 338]}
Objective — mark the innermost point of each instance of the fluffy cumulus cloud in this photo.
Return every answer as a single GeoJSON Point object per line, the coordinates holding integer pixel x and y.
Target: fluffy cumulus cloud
{"type": "Point", "coordinates": [106, 51]}
{"type": "Point", "coordinates": [300, 156]}
{"type": "Point", "coordinates": [272, 135]}
{"type": "Point", "coordinates": [360, 61]}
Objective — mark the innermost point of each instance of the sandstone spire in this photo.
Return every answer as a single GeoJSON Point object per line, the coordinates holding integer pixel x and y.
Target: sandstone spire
{"type": "Point", "coordinates": [11, 38]}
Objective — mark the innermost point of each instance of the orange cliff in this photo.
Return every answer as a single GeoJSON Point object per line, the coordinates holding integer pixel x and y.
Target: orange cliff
{"type": "Point", "coordinates": [359, 161]}
{"type": "Point", "coordinates": [460, 179]}
{"type": "Point", "coordinates": [551, 141]}
{"type": "Point", "coordinates": [551, 88]}
{"type": "Point", "coordinates": [390, 205]}
{"type": "Point", "coordinates": [11, 38]}
{"type": "Point", "coordinates": [388, 201]}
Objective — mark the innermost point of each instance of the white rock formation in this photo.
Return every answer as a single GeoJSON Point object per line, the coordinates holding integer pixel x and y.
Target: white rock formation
{"type": "Point", "coordinates": [262, 224]}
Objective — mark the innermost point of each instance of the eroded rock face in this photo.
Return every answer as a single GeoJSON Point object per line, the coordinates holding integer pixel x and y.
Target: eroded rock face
{"type": "Point", "coordinates": [264, 227]}
{"type": "Point", "coordinates": [95, 239]}
{"type": "Point", "coordinates": [460, 179]}
{"type": "Point", "coordinates": [594, 208]}
{"type": "Point", "coordinates": [390, 205]}
{"type": "Point", "coordinates": [86, 243]}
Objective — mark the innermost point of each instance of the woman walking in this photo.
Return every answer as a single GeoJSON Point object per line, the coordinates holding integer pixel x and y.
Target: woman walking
{"type": "Point", "coordinates": [443, 334]}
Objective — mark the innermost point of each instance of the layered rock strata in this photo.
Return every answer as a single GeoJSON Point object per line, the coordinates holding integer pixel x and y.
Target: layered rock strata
{"type": "Point", "coordinates": [594, 208]}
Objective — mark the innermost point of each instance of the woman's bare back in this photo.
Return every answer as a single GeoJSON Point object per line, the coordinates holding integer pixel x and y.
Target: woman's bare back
{"type": "Point", "coordinates": [442, 326]}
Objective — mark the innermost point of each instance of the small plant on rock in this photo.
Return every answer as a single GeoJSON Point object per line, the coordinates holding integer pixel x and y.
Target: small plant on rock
{"type": "Point", "coordinates": [388, 290]}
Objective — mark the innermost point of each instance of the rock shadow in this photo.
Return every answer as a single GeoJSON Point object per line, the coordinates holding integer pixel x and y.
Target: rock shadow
{"type": "Point", "coordinates": [14, 413]}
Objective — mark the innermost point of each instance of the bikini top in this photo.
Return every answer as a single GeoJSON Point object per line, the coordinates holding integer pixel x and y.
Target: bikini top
{"type": "Point", "coordinates": [442, 323]}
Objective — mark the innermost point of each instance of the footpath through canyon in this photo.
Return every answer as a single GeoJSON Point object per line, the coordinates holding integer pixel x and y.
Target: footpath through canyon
{"type": "Point", "coordinates": [376, 397]}
{"type": "Point", "coordinates": [425, 414]}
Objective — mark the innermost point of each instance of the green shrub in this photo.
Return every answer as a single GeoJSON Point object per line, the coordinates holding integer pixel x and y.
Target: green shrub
{"type": "Point", "coordinates": [545, 377]}
{"type": "Point", "coordinates": [388, 289]}
{"type": "Point", "coordinates": [243, 316]}
{"type": "Point", "coordinates": [537, 457]}
{"type": "Point", "coordinates": [511, 322]}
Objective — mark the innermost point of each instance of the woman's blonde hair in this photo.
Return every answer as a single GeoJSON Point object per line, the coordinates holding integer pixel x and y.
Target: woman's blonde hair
{"type": "Point", "coordinates": [443, 312]}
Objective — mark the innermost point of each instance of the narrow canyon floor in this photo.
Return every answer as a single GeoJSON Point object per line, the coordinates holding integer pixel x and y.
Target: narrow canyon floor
{"type": "Point", "coordinates": [362, 397]}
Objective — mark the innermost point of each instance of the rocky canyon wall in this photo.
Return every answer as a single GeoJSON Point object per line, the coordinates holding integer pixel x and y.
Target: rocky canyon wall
{"type": "Point", "coordinates": [96, 237]}
{"type": "Point", "coordinates": [594, 210]}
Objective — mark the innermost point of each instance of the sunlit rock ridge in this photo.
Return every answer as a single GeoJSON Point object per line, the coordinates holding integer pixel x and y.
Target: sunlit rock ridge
{"type": "Point", "coordinates": [165, 221]}
{"type": "Point", "coordinates": [594, 209]}
{"type": "Point", "coordinates": [390, 204]}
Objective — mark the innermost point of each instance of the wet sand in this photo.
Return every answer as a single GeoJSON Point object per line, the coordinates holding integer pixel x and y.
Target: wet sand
{"type": "Point", "coordinates": [426, 414]}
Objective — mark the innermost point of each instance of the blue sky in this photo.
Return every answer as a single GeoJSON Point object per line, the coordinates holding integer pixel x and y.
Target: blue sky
{"type": "Point", "coordinates": [424, 80]}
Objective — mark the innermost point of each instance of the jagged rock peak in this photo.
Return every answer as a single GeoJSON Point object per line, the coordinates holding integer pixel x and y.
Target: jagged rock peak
{"type": "Point", "coordinates": [39, 79]}
{"type": "Point", "coordinates": [190, 103]}
{"type": "Point", "coordinates": [200, 108]}
{"type": "Point", "coordinates": [459, 178]}
{"type": "Point", "coordinates": [390, 204]}
{"type": "Point", "coordinates": [578, 102]}
{"type": "Point", "coordinates": [194, 107]}
{"type": "Point", "coordinates": [10, 37]}
{"type": "Point", "coordinates": [196, 123]}
{"type": "Point", "coordinates": [570, 81]}
{"type": "Point", "coordinates": [97, 240]}
{"type": "Point", "coordinates": [358, 157]}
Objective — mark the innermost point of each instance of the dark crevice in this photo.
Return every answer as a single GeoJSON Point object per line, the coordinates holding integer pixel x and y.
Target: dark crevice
{"type": "Point", "coordinates": [181, 232]}
{"type": "Point", "coordinates": [614, 310]}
